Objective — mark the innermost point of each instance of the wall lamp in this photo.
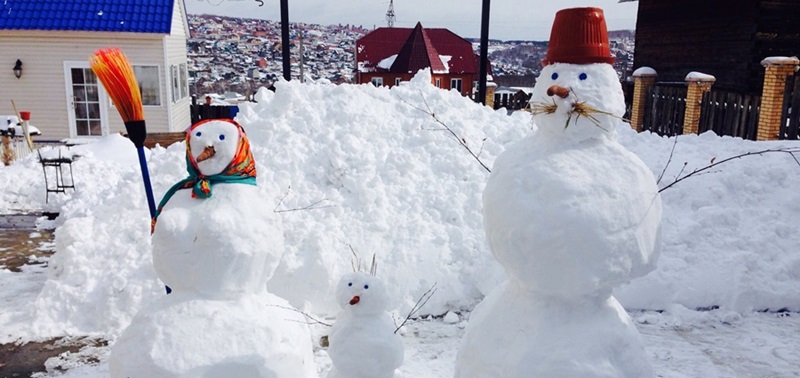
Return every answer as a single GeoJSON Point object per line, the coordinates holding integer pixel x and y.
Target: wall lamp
{"type": "Point", "coordinates": [18, 69]}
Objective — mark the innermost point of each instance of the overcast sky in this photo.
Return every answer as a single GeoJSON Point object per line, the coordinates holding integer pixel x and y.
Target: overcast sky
{"type": "Point", "coordinates": [510, 19]}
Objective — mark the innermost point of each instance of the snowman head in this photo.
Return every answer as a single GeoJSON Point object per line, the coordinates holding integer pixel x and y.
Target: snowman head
{"type": "Point", "coordinates": [578, 93]}
{"type": "Point", "coordinates": [212, 145]}
{"type": "Point", "coordinates": [580, 101]}
{"type": "Point", "coordinates": [361, 293]}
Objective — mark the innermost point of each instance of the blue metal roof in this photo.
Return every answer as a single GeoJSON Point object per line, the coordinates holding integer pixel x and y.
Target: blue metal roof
{"type": "Point", "coordinates": [137, 16]}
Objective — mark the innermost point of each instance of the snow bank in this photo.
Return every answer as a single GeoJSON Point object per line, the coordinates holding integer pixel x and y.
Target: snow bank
{"type": "Point", "coordinates": [395, 184]}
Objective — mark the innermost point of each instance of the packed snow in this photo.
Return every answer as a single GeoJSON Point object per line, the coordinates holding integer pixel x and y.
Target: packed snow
{"type": "Point", "coordinates": [355, 171]}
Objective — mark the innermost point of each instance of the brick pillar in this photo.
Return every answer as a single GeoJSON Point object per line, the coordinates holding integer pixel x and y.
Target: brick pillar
{"type": "Point", "coordinates": [643, 79]}
{"type": "Point", "coordinates": [697, 83]}
{"type": "Point", "coordinates": [490, 88]}
{"type": "Point", "coordinates": [769, 117]}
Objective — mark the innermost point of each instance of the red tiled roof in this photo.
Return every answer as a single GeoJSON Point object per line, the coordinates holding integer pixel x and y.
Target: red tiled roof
{"type": "Point", "coordinates": [417, 53]}
{"type": "Point", "coordinates": [382, 43]}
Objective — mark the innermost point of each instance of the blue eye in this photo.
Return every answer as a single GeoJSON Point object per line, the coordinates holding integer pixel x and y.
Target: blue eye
{"type": "Point", "coordinates": [221, 136]}
{"type": "Point", "coordinates": [583, 76]}
{"type": "Point", "coordinates": [349, 284]}
{"type": "Point", "coordinates": [366, 286]}
{"type": "Point", "coordinates": [198, 133]}
{"type": "Point", "coordinates": [554, 75]}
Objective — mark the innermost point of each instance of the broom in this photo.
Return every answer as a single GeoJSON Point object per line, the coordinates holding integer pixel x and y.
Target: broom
{"type": "Point", "coordinates": [116, 74]}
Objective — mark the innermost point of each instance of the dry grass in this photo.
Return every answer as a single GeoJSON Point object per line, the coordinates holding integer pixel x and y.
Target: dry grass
{"type": "Point", "coordinates": [579, 109]}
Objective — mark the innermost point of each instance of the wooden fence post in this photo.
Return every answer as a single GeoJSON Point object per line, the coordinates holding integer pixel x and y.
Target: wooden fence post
{"type": "Point", "coordinates": [697, 83]}
{"type": "Point", "coordinates": [643, 79]}
{"type": "Point", "coordinates": [769, 116]}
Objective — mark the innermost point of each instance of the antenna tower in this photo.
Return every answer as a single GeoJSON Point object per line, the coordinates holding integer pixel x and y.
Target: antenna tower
{"type": "Point", "coordinates": [390, 14]}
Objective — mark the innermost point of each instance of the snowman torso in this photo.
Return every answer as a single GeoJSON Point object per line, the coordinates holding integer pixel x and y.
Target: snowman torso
{"type": "Point", "coordinates": [223, 245]}
{"type": "Point", "coordinates": [556, 220]}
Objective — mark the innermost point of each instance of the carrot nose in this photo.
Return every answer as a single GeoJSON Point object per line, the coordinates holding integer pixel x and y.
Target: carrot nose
{"type": "Point", "coordinates": [556, 90]}
{"type": "Point", "coordinates": [355, 300]}
{"type": "Point", "coordinates": [207, 153]}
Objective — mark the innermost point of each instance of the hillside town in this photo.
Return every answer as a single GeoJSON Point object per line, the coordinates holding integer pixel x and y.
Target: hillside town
{"type": "Point", "coordinates": [239, 55]}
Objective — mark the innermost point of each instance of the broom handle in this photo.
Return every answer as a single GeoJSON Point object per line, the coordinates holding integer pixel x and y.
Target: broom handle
{"type": "Point", "coordinates": [151, 203]}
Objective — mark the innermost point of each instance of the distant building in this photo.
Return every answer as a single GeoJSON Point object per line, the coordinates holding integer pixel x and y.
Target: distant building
{"type": "Point", "coordinates": [389, 56]}
{"type": "Point", "coordinates": [724, 38]}
{"type": "Point", "coordinates": [54, 39]}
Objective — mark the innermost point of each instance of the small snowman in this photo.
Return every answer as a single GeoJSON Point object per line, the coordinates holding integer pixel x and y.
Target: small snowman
{"type": "Point", "coordinates": [363, 342]}
{"type": "Point", "coordinates": [216, 243]}
{"type": "Point", "coordinates": [570, 214]}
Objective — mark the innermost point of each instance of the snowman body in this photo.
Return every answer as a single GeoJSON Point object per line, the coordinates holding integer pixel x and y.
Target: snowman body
{"type": "Point", "coordinates": [216, 254]}
{"type": "Point", "coordinates": [221, 246]}
{"type": "Point", "coordinates": [570, 214]}
{"type": "Point", "coordinates": [363, 343]}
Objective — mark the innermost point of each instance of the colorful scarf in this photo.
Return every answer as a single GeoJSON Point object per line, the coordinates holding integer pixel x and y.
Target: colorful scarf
{"type": "Point", "coordinates": [241, 170]}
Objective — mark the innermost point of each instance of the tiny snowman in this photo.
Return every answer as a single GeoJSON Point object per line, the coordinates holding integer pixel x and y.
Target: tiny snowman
{"type": "Point", "coordinates": [216, 243]}
{"type": "Point", "coordinates": [570, 214]}
{"type": "Point", "coordinates": [363, 342]}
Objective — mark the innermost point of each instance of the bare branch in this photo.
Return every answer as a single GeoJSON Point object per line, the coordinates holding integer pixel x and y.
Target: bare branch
{"type": "Point", "coordinates": [679, 178]}
{"type": "Point", "coordinates": [455, 136]}
{"type": "Point", "coordinates": [312, 206]}
{"type": "Point", "coordinates": [313, 319]}
{"type": "Point", "coordinates": [671, 154]}
{"type": "Point", "coordinates": [417, 306]}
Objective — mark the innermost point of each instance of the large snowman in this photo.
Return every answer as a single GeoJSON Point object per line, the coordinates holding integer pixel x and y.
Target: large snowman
{"type": "Point", "coordinates": [363, 342]}
{"type": "Point", "coordinates": [570, 214]}
{"type": "Point", "coordinates": [216, 242]}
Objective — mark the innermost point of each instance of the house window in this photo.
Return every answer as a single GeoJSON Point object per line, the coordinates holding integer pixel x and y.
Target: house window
{"type": "Point", "coordinates": [377, 81]}
{"type": "Point", "coordinates": [455, 84]}
{"type": "Point", "coordinates": [179, 82]}
{"type": "Point", "coordinates": [184, 80]}
{"type": "Point", "coordinates": [438, 82]}
{"type": "Point", "coordinates": [176, 83]}
{"type": "Point", "coordinates": [149, 84]}
{"type": "Point", "coordinates": [397, 81]}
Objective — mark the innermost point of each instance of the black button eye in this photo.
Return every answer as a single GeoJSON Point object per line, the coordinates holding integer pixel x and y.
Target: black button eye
{"type": "Point", "coordinates": [221, 136]}
{"type": "Point", "coordinates": [198, 133]}
{"type": "Point", "coordinates": [366, 286]}
{"type": "Point", "coordinates": [583, 76]}
{"type": "Point", "coordinates": [554, 75]}
{"type": "Point", "coordinates": [349, 284]}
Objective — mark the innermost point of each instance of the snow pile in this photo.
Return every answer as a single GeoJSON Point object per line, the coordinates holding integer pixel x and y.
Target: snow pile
{"type": "Point", "coordinates": [397, 185]}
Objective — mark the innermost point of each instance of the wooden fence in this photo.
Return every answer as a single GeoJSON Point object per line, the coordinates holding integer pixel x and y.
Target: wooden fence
{"type": "Point", "coordinates": [730, 113]}
{"type": "Point", "coordinates": [665, 107]}
{"type": "Point", "coordinates": [790, 115]}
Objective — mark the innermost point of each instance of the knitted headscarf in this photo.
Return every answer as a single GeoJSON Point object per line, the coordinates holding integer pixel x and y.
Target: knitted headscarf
{"type": "Point", "coordinates": [241, 170]}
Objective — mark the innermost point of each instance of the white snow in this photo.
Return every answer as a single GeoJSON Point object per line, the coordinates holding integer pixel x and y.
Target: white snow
{"type": "Point", "coordinates": [390, 181]}
{"type": "Point", "coordinates": [387, 63]}
{"type": "Point", "coordinates": [695, 76]}
{"type": "Point", "coordinates": [644, 71]}
{"type": "Point", "coordinates": [780, 60]}
{"type": "Point", "coordinates": [446, 63]}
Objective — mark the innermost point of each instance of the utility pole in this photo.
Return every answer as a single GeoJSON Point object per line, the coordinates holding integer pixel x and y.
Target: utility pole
{"type": "Point", "coordinates": [287, 66]}
{"type": "Point", "coordinates": [484, 52]}
{"type": "Point", "coordinates": [390, 14]}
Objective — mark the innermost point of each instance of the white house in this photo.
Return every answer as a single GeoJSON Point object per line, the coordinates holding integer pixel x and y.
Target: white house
{"type": "Point", "coordinates": [53, 40]}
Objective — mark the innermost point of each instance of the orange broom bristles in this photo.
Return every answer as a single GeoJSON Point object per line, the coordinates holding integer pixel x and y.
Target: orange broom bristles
{"type": "Point", "coordinates": [115, 72]}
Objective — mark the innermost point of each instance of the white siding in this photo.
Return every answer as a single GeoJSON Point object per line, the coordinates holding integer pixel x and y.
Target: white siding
{"type": "Point", "coordinates": [175, 47]}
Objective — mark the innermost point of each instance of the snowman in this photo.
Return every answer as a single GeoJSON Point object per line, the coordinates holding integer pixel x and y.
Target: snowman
{"type": "Point", "coordinates": [216, 242]}
{"type": "Point", "coordinates": [570, 214]}
{"type": "Point", "coordinates": [363, 342]}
